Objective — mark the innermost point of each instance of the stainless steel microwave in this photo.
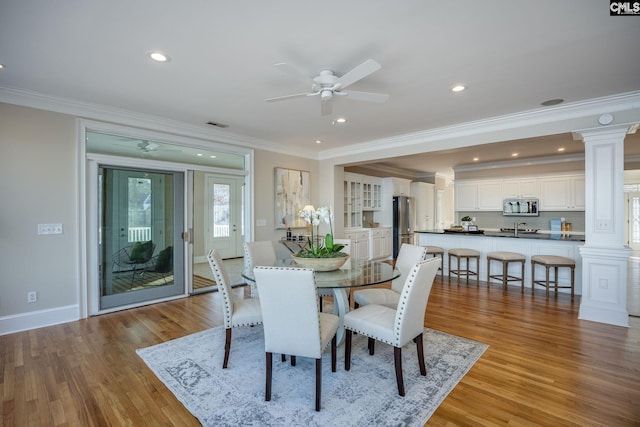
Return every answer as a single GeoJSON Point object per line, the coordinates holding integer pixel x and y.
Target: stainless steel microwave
{"type": "Point", "coordinates": [520, 207]}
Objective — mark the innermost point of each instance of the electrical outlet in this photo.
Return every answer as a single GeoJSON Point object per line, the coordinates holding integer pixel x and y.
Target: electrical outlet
{"type": "Point", "coordinates": [32, 296]}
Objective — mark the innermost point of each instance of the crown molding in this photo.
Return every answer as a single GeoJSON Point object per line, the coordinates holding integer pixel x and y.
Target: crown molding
{"type": "Point", "coordinates": [536, 117]}
{"type": "Point", "coordinates": [83, 110]}
{"type": "Point", "coordinates": [520, 163]}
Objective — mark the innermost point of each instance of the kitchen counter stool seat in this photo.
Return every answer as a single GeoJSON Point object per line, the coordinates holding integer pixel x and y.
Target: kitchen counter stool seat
{"type": "Point", "coordinates": [505, 258]}
{"type": "Point", "coordinates": [436, 251]}
{"type": "Point", "coordinates": [549, 262]}
{"type": "Point", "coordinates": [464, 254]}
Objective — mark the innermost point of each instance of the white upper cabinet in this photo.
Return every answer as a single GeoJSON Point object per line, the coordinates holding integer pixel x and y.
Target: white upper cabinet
{"type": "Point", "coordinates": [401, 187]}
{"type": "Point", "coordinates": [521, 188]}
{"type": "Point", "coordinates": [479, 196]}
{"type": "Point", "coordinates": [562, 193]}
{"type": "Point", "coordinates": [371, 193]}
{"type": "Point", "coordinates": [352, 200]}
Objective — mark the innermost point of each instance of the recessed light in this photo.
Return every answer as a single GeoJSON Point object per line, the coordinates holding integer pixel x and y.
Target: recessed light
{"type": "Point", "coordinates": [341, 120]}
{"type": "Point", "coordinates": [213, 157]}
{"type": "Point", "coordinates": [159, 56]}
{"type": "Point", "coordinates": [458, 88]}
{"type": "Point", "coordinates": [318, 141]}
{"type": "Point", "coordinates": [514, 155]}
{"type": "Point", "coordinates": [1, 66]}
{"type": "Point", "coordinates": [475, 159]}
{"type": "Point", "coordinates": [551, 102]}
{"type": "Point", "coordinates": [199, 154]}
{"type": "Point", "coordinates": [561, 149]}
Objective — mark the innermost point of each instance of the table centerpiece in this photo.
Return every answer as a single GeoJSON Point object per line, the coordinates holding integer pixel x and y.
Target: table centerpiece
{"type": "Point", "coordinates": [320, 254]}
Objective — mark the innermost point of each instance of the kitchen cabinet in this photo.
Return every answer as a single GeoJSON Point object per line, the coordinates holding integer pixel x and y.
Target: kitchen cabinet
{"type": "Point", "coordinates": [380, 243]}
{"type": "Point", "coordinates": [562, 193]}
{"type": "Point", "coordinates": [359, 244]}
{"type": "Point", "coordinates": [424, 201]}
{"type": "Point", "coordinates": [521, 188]}
{"type": "Point", "coordinates": [401, 186]}
{"type": "Point", "coordinates": [371, 193]}
{"type": "Point", "coordinates": [352, 200]}
{"type": "Point", "coordinates": [479, 195]}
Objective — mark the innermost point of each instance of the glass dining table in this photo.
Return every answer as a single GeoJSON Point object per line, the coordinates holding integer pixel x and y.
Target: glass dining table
{"type": "Point", "coordinates": [353, 274]}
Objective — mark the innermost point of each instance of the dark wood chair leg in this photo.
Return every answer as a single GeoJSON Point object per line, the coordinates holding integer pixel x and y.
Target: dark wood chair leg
{"type": "Point", "coordinates": [397, 356]}
{"type": "Point", "coordinates": [334, 344]}
{"type": "Point", "coordinates": [347, 350]}
{"type": "Point", "coordinates": [267, 387]}
{"type": "Point", "coordinates": [284, 357]}
{"type": "Point", "coordinates": [293, 360]}
{"type": "Point", "coordinates": [420, 348]}
{"type": "Point", "coordinates": [318, 382]}
{"type": "Point", "coordinates": [372, 346]}
{"type": "Point", "coordinates": [227, 348]}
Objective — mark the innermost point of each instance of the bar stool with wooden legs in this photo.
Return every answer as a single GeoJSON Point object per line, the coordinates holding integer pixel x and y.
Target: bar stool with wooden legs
{"type": "Point", "coordinates": [505, 258]}
{"type": "Point", "coordinates": [467, 255]}
{"type": "Point", "coordinates": [436, 251]}
{"type": "Point", "coordinates": [555, 262]}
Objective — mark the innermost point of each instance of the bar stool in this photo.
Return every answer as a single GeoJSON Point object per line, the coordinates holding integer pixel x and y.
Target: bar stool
{"type": "Point", "coordinates": [466, 254]}
{"type": "Point", "coordinates": [505, 258]}
{"type": "Point", "coordinates": [435, 251]}
{"type": "Point", "coordinates": [548, 262]}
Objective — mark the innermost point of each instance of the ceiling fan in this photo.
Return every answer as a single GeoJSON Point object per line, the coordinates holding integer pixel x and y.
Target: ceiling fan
{"type": "Point", "coordinates": [326, 85]}
{"type": "Point", "coordinates": [147, 147]}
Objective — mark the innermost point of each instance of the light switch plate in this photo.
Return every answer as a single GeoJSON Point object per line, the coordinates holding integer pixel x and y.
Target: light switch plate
{"type": "Point", "coordinates": [261, 223]}
{"type": "Point", "coordinates": [44, 229]}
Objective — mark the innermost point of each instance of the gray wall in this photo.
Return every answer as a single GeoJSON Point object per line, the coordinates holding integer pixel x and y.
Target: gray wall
{"type": "Point", "coordinates": [38, 185]}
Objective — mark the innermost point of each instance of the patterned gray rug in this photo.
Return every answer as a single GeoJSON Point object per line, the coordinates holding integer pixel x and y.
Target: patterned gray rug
{"type": "Point", "coordinates": [191, 367]}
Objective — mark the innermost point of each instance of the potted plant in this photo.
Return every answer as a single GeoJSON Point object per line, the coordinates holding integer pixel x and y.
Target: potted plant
{"type": "Point", "coordinates": [465, 221]}
{"type": "Point", "coordinates": [321, 254]}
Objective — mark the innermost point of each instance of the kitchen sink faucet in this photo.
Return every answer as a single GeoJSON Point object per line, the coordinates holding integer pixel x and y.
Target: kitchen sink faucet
{"type": "Point", "coordinates": [515, 227]}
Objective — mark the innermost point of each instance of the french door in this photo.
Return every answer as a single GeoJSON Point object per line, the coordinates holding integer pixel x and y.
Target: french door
{"type": "Point", "coordinates": [224, 227]}
{"type": "Point", "coordinates": [141, 252]}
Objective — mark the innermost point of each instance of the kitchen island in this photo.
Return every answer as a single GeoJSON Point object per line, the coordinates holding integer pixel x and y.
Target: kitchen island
{"type": "Point", "coordinates": [527, 244]}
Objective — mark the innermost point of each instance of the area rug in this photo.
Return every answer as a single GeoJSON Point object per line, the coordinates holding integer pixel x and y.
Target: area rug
{"type": "Point", "coordinates": [191, 367]}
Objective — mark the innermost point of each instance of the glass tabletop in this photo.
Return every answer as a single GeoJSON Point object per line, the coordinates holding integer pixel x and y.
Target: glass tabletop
{"type": "Point", "coordinates": [352, 275]}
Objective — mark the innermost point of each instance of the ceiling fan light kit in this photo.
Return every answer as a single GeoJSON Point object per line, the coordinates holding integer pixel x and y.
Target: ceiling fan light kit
{"type": "Point", "coordinates": [326, 84]}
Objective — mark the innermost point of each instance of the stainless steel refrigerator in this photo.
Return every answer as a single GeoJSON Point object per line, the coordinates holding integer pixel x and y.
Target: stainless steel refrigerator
{"type": "Point", "coordinates": [402, 222]}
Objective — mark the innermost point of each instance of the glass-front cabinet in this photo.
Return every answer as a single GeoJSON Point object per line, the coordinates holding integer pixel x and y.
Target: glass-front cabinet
{"type": "Point", "coordinates": [371, 193]}
{"type": "Point", "coordinates": [353, 196]}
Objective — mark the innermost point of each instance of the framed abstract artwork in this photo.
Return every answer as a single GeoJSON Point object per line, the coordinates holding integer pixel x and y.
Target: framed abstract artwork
{"type": "Point", "coordinates": [292, 194]}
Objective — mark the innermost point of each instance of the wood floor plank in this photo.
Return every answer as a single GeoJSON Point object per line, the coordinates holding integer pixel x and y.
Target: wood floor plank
{"type": "Point", "coordinates": [544, 366]}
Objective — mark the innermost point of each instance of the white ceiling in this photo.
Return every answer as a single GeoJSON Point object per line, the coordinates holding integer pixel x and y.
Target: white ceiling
{"type": "Point", "coordinates": [512, 56]}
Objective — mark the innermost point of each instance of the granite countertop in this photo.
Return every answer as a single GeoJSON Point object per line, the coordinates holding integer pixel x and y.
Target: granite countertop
{"type": "Point", "coordinates": [521, 235]}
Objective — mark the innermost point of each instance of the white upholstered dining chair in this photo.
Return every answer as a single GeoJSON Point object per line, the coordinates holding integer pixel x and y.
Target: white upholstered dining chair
{"type": "Point", "coordinates": [293, 324]}
{"type": "Point", "coordinates": [408, 256]}
{"type": "Point", "coordinates": [243, 312]}
{"type": "Point", "coordinates": [398, 326]}
{"type": "Point", "coordinates": [258, 253]}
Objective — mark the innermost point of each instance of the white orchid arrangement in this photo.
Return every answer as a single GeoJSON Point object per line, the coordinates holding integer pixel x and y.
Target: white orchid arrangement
{"type": "Point", "coordinates": [326, 248]}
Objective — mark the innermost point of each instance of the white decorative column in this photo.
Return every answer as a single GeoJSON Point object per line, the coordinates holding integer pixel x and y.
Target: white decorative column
{"type": "Point", "coordinates": [604, 255]}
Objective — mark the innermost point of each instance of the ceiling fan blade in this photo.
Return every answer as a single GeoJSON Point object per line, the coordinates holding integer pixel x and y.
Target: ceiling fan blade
{"type": "Point", "coordinates": [282, 98]}
{"type": "Point", "coordinates": [326, 107]}
{"type": "Point", "coordinates": [365, 96]}
{"type": "Point", "coordinates": [361, 71]}
{"type": "Point", "coordinates": [294, 71]}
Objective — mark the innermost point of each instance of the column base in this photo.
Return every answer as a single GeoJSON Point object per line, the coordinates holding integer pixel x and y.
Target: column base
{"type": "Point", "coordinates": [604, 285]}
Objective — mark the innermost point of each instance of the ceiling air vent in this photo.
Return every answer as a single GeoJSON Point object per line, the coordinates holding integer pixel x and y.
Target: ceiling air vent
{"type": "Point", "coordinates": [218, 125]}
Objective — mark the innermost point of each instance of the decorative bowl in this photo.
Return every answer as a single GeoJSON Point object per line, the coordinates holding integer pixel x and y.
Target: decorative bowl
{"type": "Point", "coordinates": [321, 264]}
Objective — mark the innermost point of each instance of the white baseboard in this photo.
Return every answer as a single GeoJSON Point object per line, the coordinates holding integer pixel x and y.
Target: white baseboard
{"type": "Point", "coordinates": [38, 319]}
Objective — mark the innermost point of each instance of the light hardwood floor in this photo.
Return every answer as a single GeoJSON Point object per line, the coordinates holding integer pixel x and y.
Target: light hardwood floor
{"type": "Point", "coordinates": [543, 366]}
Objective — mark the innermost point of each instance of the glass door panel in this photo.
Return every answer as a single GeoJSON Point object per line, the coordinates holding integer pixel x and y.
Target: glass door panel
{"type": "Point", "coordinates": [140, 216]}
